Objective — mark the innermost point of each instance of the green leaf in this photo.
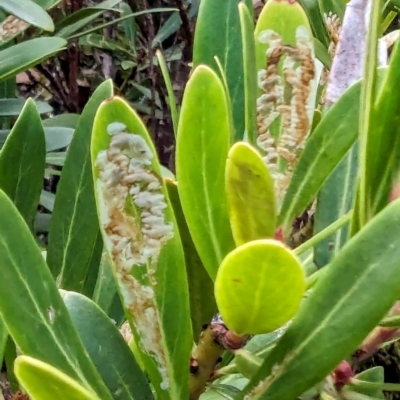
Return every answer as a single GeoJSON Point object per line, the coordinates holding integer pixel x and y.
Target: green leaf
{"type": "Point", "coordinates": [22, 162]}
{"type": "Point", "coordinates": [74, 249]}
{"type": "Point", "coordinates": [375, 375]}
{"type": "Point", "coordinates": [22, 56]}
{"type": "Point", "coordinates": [47, 200]}
{"type": "Point", "coordinates": [170, 91]}
{"type": "Point", "coordinates": [44, 382]}
{"type": "Point", "coordinates": [107, 349]}
{"type": "Point", "coordinates": [201, 287]}
{"type": "Point", "coordinates": [114, 22]}
{"type": "Point", "coordinates": [251, 197]}
{"type": "Point", "coordinates": [222, 41]}
{"type": "Point", "coordinates": [142, 239]}
{"type": "Point", "coordinates": [250, 72]}
{"type": "Point", "coordinates": [259, 287]}
{"type": "Point", "coordinates": [3, 338]}
{"type": "Point", "coordinates": [327, 145]}
{"type": "Point", "coordinates": [367, 266]}
{"type": "Point", "coordinates": [315, 17]}
{"type": "Point", "coordinates": [173, 23]}
{"type": "Point", "coordinates": [13, 107]}
{"type": "Point", "coordinates": [28, 286]}
{"type": "Point", "coordinates": [57, 137]}
{"type": "Point", "coordinates": [56, 158]}
{"type": "Point", "coordinates": [203, 142]}
{"type": "Point", "coordinates": [84, 16]}
{"type": "Point", "coordinates": [335, 7]}
{"type": "Point", "coordinates": [129, 26]}
{"type": "Point", "coordinates": [67, 120]}
{"type": "Point", "coordinates": [105, 292]}
{"type": "Point", "coordinates": [30, 12]}
{"type": "Point", "coordinates": [11, 26]}
{"type": "Point", "coordinates": [10, 355]}
{"type": "Point", "coordinates": [384, 138]}
{"type": "Point", "coordinates": [363, 207]}
{"type": "Point", "coordinates": [334, 200]}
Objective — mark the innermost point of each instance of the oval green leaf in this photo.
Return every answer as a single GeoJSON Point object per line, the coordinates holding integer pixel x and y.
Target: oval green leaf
{"type": "Point", "coordinates": [204, 133]}
{"type": "Point", "coordinates": [142, 239]}
{"type": "Point", "coordinates": [259, 287]}
{"type": "Point", "coordinates": [251, 197]}
{"type": "Point", "coordinates": [44, 382]}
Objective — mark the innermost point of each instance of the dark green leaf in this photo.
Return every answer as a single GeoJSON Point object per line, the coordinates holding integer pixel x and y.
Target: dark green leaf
{"type": "Point", "coordinates": [316, 20]}
{"type": "Point", "coordinates": [74, 248]}
{"type": "Point", "coordinates": [107, 349]}
{"type": "Point", "coordinates": [106, 294]}
{"type": "Point", "coordinates": [250, 72]}
{"type": "Point", "coordinates": [223, 41]}
{"type": "Point", "coordinates": [201, 287]}
{"type": "Point", "coordinates": [28, 286]}
{"type": "Point", "coordinates": [30, 12]}
{"type": "Point", "coordinates": [27, 54]}
{"type": "Point", "coordinates": [81, 18]}
{"type": "Point", "coordinates": [22, 162]}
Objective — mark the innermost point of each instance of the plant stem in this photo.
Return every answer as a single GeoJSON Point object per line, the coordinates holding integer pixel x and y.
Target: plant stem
{"type": "Point", "coordinates": [393, 387]}
{"type": "Point", "coordinates": [366, 107]}
{"type": "Point", "coordinates": [329, 230]}
{"type": "Point", "coordinates": [204, 359]}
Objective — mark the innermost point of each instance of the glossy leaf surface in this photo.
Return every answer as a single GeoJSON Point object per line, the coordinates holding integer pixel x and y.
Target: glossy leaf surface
{"type": "Point", "coordinates": [203, 142]}
{"type": "Point", "coordinates": [259, 287]}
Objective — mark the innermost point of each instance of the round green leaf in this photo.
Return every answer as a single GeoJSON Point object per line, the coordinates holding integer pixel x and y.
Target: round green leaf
{"type": "Point", "coordinates": [259, 287]}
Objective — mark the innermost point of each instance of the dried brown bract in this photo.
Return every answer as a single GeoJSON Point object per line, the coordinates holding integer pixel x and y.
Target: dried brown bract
{"type": "Point", "coordinates": [286, 85]}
